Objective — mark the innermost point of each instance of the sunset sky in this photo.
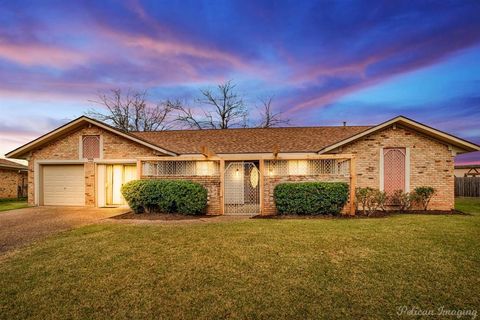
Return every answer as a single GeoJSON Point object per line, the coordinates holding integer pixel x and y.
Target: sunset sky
{"type": "Point", "coordinates": [324, 61]}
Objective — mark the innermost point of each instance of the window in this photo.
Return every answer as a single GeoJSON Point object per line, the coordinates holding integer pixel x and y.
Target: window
{"type": "Point", "coordinates": [394, 169]}
{"type": "Point", "coordinates": [91, 147]}
{"type": "Point", "coordinates": [307, 167]}
{"type": "Point", "coordinates": [180, 168]}
{"type": "Point", "coordinates": [298, 167]}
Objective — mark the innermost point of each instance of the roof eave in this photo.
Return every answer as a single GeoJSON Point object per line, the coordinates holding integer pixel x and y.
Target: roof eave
{"type": "Point", "coordinates": [464, 146]}
{"type": "Point", "coordinates": [23, 151]}
{"type": "Point", "coordinates": [13, 168]}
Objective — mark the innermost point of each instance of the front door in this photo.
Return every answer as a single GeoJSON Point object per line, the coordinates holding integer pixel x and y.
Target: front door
{"type": "Point", "coordinates": [116, 176]}
{"type": "Point", "coordinates": [242, 188]}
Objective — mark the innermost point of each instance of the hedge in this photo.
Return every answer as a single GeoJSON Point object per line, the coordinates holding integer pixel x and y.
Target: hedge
{"type": "Point", "coordinates": [166, 196]}
{"type": "Point", "coordinates": [311, 198]}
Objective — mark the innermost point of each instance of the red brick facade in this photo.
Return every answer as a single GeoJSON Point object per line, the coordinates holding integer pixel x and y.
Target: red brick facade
{"type": "Point", "coordinates": [10, 180]}
{"type": "Point", "coordinates": [431, 164]}
{"type": "Point", "coordinates": [68, 148]}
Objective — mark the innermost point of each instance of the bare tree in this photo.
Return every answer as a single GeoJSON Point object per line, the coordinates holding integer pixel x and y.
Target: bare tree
{"type": "Point", "coordinates": [185, 116]}
{"type": "Point", "coordinates": [223, 108]}
{"type": "Point", "coordinates": [269, 118]}
{"type": "Point", "coordinates": [130, 111]}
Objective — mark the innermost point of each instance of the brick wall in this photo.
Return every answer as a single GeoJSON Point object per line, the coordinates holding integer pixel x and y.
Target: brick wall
{"type": "Point", "coordinates": [431, 162]}
{"type": "Point", "coordinates": [270, 182]}
{"type": "Point", "coordinates": [10, 179]}
{"type": "Point", "coordinates": [67, 148]}
{"type": "Point", "coordinates": [211, 183]}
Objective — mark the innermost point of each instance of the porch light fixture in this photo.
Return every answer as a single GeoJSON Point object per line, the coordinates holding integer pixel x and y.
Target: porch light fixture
{"type": "Point", "coordinates": [254, 178]}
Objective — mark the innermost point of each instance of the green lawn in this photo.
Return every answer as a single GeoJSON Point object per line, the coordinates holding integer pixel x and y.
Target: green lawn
{"type": "Point", "coordinates": [329, 268]}
{"type": "Point", "coordinates": [10, 204]}
{"type": "Point", "coordinates": [468, 205]}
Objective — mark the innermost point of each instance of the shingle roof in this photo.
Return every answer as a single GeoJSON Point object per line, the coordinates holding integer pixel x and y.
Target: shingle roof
{"type": "Point", "coordinates": [467, 166]}
{"type": "Point", "coordinates": [251, 140]}
{"type": "Point", "coordinates": [4, 163]}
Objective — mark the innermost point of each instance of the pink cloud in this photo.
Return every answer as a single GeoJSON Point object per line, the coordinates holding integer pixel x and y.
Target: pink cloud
{"type": "Point", "coordinates": [190, 58]}
{"type": "Point", "coordinates": [422, 59]}
{"type": "Point", "coordinates": [41, 55]}
{"type": "Point", "coordinates": [331, 96]}
{"type": "Point", "coordinates": [174, 49]}
{"type": "Point", "coordinates": [188, 55]}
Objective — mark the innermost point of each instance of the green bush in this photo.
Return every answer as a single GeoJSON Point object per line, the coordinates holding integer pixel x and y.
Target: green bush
{"type": "Point", "coordinates": [420, 195]}
{"type": "Point", "coordinates": [311, 198]}
{"type": "Point", "coordinates": [370, 200]}
{"type": "Point", "coordinates": [424, 195]}
{"type": "Point", "coordinates": [166, 196]}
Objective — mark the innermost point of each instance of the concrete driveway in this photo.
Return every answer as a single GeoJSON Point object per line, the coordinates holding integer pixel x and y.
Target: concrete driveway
{"type": "Point", "coordinates": [23, 226]}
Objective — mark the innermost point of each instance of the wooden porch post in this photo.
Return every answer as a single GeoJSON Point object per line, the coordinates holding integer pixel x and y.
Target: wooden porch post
{"type": "Point", "coordinates": [139, 169]}
{"type": "Point", "coordinates": [222, 186]}
{"type": "Point", "coordinates": [353, 184]}
{"type": "Point", "coordinates": [261, 165]}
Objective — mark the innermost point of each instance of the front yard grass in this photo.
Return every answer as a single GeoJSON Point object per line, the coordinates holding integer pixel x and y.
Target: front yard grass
{"type": "Point", "coordinates": [468, 205]}
{"type": "Point", "coordinates": [264, 269]}
{"type": "Point", "coordinates": [10, 204]}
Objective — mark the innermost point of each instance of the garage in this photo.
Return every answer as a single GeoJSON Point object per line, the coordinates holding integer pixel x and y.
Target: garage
{"type": "Point", "coordinates": [63, 185]}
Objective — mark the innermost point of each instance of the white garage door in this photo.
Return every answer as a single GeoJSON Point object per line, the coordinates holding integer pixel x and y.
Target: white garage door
{"type": "Point", "coordinates": [63, 185]}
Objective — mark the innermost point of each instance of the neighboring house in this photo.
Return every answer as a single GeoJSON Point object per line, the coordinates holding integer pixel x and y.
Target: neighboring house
{"type": "Point", "coordinates": [467, 170]}
{"type": "Point", "coordinates": [13, 179]}
{"type": "Point", "coordinates": [85, 162]}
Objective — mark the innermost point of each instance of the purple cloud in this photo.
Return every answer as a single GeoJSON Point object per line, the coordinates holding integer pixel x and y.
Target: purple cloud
{"type": "Point", "coordinates": [309, 54]}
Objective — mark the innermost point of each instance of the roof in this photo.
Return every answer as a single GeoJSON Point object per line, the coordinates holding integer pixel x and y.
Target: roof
{"type": "Point", "coordinates": [461, 144]}
{"type": "Point", "coordinates": [22, 152]}
{"type": "Point", "coordinates": [467, 166]}
{"type": "Point", "coordinates": [4, 163]}
{"type": "Point", "coordinates": [250, 140]}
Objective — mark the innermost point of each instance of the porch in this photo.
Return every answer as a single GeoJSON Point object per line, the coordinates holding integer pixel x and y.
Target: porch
{"type": "Point", "coordinates": [244, 184]}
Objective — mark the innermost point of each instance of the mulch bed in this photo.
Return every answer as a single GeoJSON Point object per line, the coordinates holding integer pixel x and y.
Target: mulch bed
{"type": "Point", "coordinates": [434, 212]}
{"type": "Point", "coordinates": [160, 216]}
{"type": "Point", "coordinates": [376, 214]}
{"type": "Point", "coordinates": [296, 216]}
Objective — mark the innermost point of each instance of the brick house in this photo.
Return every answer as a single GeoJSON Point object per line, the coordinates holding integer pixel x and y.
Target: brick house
{"type": "Point", "coordinates": [13, 179]}
{"type": "Point", "coordinates": [85, 162]}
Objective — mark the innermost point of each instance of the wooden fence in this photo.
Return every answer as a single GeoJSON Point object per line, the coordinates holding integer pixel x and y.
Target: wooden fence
{"type": "Point", "coordinates": [467, 186]}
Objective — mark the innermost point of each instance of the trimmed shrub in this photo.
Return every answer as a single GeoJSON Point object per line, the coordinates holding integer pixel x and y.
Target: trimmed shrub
{"type": "Point", "coordinates": [311, 198]}
{"type": "Point", "coordinates": [166, 196]}
{"type": "Point", "coordinates": [424, 195]}
{"type": "Point", "coordinates": [362, 196]}
{"type": "Point", "coordinates": [403, 200]}
{"type": "Point", "coordinates": [380, 199]}
{"type": "Point", "coordinates": [141, 195]}
{"type": "Point", "coordinates": [370, 200]}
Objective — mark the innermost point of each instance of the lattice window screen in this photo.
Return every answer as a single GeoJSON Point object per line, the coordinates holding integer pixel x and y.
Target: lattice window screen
{"type": "Point", "coordinates": [180, 168]}
{"type": "Point", "coordinates": [91, 147]}
{"type": "Point", "coordinates": [394, 169]}
{"type": "Point", "coordinates": [307, 167]}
